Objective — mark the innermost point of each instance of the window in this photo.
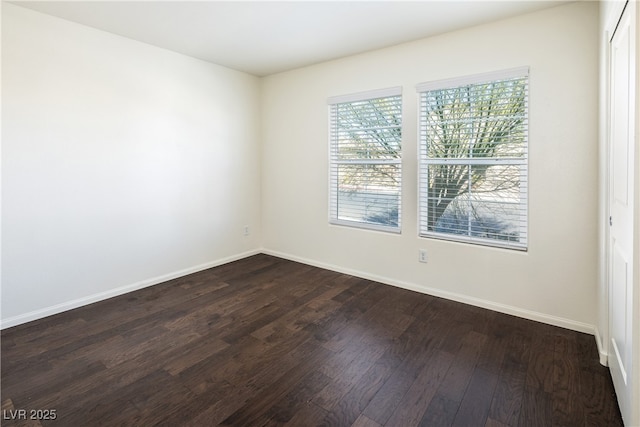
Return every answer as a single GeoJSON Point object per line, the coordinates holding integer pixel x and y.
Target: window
{"type": "Point", "coordinates": [473, 159]}
{"type": "Point", "coordinates": [365, 159]}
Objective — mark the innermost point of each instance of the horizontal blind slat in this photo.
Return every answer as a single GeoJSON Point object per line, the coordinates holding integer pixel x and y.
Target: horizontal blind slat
{"type": "Point", "coordinates": [513, 73]}
{"type": "Point", "coordinates": [363, 96]}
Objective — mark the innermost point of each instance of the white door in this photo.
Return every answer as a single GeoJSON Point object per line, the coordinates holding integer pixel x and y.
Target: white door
{"type": "Point", "coordinates": [621, 191]}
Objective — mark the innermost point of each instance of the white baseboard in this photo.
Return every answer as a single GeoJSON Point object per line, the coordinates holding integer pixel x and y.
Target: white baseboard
{"type": "Point", "coordinates": [69, 305]}
{"type": "Point", "coordinates": [502, 308]}
{"type": "Point", "coordinates": [604, 356]}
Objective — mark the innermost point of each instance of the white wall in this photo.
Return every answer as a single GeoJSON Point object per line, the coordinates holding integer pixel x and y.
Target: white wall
{"type": "Point", "coordinates": [555, 281]}
{"type": "Point", "coordinates": [122, 164]}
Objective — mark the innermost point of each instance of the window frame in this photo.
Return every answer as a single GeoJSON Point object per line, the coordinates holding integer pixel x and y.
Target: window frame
{"type": "Point", "coordinates": [424, 161]}
{"type": "Point", "coordinates": [332, 102]}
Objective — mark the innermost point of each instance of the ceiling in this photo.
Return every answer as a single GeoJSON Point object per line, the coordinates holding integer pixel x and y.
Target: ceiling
{"type": "Point", "coordinates": [267, 37]}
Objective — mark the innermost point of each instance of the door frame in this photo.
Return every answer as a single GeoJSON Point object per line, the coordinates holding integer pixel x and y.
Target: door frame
{"type": "Point", "coordinates": [603, 334]}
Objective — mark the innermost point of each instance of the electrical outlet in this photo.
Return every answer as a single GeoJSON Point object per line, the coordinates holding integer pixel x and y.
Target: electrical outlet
{"type": "Point", "coordinates": [422, 255]}
{"type": "Point", "coordinates": [246, 230]}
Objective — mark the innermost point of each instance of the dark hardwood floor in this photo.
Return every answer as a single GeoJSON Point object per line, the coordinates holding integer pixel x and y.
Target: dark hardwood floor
{"type": "Point", "coordinates": [265, 341]}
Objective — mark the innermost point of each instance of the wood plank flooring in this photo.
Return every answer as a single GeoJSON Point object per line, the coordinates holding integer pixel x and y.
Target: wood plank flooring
{"type": "Point", "coordinates": [268, 342]}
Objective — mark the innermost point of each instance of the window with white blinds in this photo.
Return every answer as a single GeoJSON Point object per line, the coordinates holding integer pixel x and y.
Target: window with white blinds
{"type": "Point", "coordinates": [365, 159]}
{"type": "Point", "coordinates": [473, 159]}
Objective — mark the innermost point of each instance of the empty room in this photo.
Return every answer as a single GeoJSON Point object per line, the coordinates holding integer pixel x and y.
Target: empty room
{"type": "Point", "coordinates": [301, 213]}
